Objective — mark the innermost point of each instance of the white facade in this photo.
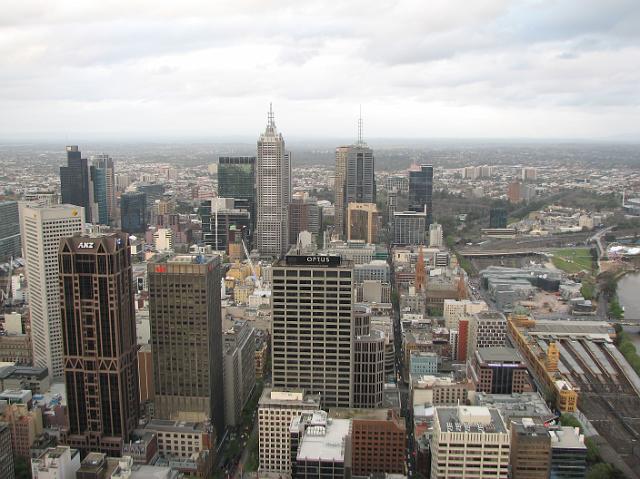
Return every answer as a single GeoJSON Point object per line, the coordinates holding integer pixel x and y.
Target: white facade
{"type": "Point", "coordinates": [41, 229]}
{"type": "Point", "coordinates": [60, 462]}
{"type": "Point", "coordinates": [469, 441]}
{"type": "Point", "coordinates": [276, 409]}
{"type": "Point", "coordinates": [163, 239]}
{"type": "Point", "coordinates": [435, 236]}
{"type": "Point", "coordinates": [455, 310]}
{"type": "Point", "coordinates": [273, 192]}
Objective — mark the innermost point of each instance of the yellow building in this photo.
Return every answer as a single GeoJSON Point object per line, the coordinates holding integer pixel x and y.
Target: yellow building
{"type": "Point", "coordinates": [544, 364]}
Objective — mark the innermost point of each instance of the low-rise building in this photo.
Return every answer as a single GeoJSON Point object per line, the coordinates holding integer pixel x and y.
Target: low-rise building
{"type": "Point", "coordinates": [530, 450]}
{"type": "Point", "coordinates": [319, 446]}
{"type": "Point", "coordinates": [378, 440]}
{"type": "Point", "coordinates": [568, 453]}
{"type": "Point", "coordinates": [60, 462]}
{"type": "Point", "coordinates": [239, 369]}
{"type": "Point", "coordinates": [276, 409]}
{"type": "Point", "coordinates": [469, 440]}
{"type": "Point", "coordinates": [499, 370]}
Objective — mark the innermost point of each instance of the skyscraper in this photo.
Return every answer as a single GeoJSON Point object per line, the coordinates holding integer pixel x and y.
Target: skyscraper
{"type": "Point", "coordinates": [105, 162]}
{"type": "Point", "coordinates": [76, 184]}
{"type": "Point", "coordinates": [355, 181]}
{"type": "Point", "coordinates": [99, 181]}
{"type": "Point", "coordinates": [237, 179]}
{"type": "Point", "coordinates": [133, 212]}
{"type": "Point", "coordinates": [9, 230]}
{"type": "Point", "coordinates": [100, 350]}
{"type": "Point", "coordinates": [421, 191]}
{"type": "Point", "coordinates": [186, 338]}
{"type": "Point", "coordinates": [41, 229]}
{"type": "Point", "coordinates": [313, 327]}
{"type": "Point", "coordinates": [273, 192]}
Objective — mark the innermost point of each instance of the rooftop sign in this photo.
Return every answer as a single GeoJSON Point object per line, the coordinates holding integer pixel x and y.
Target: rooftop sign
{"type": "Point", "coordinates": [313, 260]}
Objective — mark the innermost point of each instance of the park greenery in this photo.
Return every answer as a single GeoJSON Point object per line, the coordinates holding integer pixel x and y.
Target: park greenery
{"type": "Point", "coordinates": [573, 260]}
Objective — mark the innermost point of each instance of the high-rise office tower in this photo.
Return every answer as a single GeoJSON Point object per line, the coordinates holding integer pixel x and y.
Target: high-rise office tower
{"type": "Point", "coordinates": [273, 192]}
{"type": "Point", "coordinates": [99, 181]}
{"type": "Point", "coordinates": [100, 350]}
{"type": "Point", "coordinates": [436, 239]}
{"type": "Point", "coordinates": [218, 216]}
{"type": "Point", "coordinates": [9, 230]}
{"type": "Point", "coordinates": [76, 184]}
{"type": "Point", "coordinates": [237, 179]}
{"type": "Point", "coordinates": [368, 361]}
{"type": "Point", "coordinates": [362, 222]}
{"type": "Point", "coordinates": [133, 212]}
{"type": "Point", "coordinates": [41, 229]}
{"type": "Point", "coordinates": [409, 227]}
{"type": "Point", "coordinates": [421, 190]}
{"type": "Point", "coordinates": [304, 215]}
{"type": "Point", "coordinates": [355, 181]}
{"type": "Point", "coordinates": [105, 163]}
{"type": "Point", "coordinates": [313, 330]}
{"type": "Point", "coordinates": [186, 338]}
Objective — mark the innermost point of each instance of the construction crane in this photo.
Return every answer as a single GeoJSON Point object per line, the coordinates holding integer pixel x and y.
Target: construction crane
{"type": "Point", "coordinates": [258, 283]}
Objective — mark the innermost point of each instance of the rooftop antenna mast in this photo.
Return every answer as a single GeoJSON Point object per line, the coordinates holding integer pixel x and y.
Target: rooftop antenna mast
{"type": "Point", "coordinates": [271, 118]}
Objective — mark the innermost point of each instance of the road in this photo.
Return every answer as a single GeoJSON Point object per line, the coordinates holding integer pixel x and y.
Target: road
{"type": "Point", "coordinates": [405, 406]}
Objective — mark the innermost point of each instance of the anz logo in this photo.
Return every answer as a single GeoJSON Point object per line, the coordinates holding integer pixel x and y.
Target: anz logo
{"type": "Point", "coordinates": [86, 245]}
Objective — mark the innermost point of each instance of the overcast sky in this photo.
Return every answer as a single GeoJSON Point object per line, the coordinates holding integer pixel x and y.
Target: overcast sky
{"type": "Point", "coordinates": [420, 69]}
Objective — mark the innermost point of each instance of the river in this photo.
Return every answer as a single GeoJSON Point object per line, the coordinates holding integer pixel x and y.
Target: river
{"type": "Point", "coordinates": [629, 295]}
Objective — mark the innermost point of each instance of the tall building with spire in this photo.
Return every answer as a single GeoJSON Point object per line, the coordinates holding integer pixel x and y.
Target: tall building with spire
{"type": "Point", "coordinates": [273, 192]}
{"type": "Point", "coordinates": [354, 179]}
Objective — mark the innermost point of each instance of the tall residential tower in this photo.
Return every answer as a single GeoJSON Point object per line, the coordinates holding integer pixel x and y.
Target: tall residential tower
{"type": "Point", "coordinates": [273, 192]}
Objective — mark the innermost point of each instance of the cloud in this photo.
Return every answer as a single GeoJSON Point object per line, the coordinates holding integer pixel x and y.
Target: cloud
{"type": "Point", "coordinates": [489, 67]}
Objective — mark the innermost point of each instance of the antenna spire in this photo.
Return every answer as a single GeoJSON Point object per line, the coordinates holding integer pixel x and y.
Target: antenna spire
{"type": "Point", "coordinates": [360, 141]}
{"type": "Point", "coordinates": [270, 117]}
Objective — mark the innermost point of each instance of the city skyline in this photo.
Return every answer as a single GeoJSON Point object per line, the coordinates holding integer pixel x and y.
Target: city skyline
{"type": "Point", "coordinates": [496, 69]}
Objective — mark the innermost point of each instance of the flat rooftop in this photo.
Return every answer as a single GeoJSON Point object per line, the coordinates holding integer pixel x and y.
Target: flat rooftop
{"type": "Point", "coordinates": [470, 419]}
{"type": "Point", "coordinates": [566, 438]}
{"type": "Point", "coordinates": [175, 426]}
{"type": "Point", "coordinates": [271, 397]}
{"type": "Point", "coordinates": [499, 354]}
{"type": "Point", "coordinates": [325, 443]}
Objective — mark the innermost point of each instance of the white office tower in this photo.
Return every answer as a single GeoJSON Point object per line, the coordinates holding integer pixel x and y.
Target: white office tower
{"type": "Point", "coordinates": [41, 229]}
{"type": "Point", "coordinates": [273, 192]}
{"type": "Point", "coordinates": [469, 441]}
{"type": "Point", "coordinates": [435, 235]}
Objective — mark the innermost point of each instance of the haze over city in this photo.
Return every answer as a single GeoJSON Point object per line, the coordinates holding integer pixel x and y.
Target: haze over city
{"type": "Point", "coordinates": [203, 70]}
{"type": "Point", "coordinates": [392, 239]}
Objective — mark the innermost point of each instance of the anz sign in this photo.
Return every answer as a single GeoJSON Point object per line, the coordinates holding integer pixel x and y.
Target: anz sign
{"type": "Point", "coordinates": [86, 245]}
